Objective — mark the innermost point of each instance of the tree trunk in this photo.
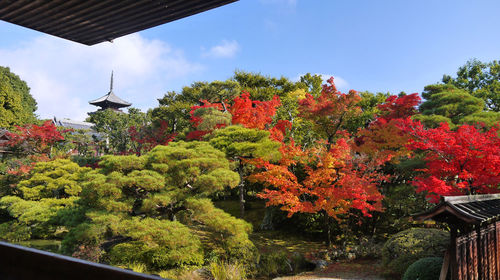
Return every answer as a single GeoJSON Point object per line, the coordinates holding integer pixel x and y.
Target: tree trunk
{"type": "Point", "coordinates": [241, 190]}
{"type": "Point", "coordinates": [267, 221]}
{"type": "Point", "coordinates": [242, 199]}
{"type": "Point", "coordinates": [328, 229]}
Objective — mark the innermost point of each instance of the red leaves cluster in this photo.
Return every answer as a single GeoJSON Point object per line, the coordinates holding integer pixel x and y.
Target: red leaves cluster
{"type": "Point", "coordinates": [147, 137]}
{"type": "Point", "coordinates": [384, 138]}
{"type": "Point", "coordinates": [398, 107]}
{"type": "Point", "coordinates": [331, 109]}
{"type": "Point", "coordinates": [196, 120]}
{"type": "Point", "coordinates": [461, 162]}
{"type": "Point", "coordinates": [253, 113]}
{"type": "Point", "coordinates": [34, 143]}
{"type": "Point", "coordinates": [34, 139]}
{"type": "Point", "coordinates": [278, 131]}
{"type": "Point", "coordinates": [244, 111]}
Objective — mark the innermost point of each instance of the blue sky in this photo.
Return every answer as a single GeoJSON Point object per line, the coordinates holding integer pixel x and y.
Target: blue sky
{"type": "Point", "coordinates": [387, 46]}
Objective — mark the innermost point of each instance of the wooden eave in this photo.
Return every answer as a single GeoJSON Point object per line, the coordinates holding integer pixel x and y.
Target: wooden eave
{"type": "Point", "coordinates": [445, 213]}
{"type": "Point", "coordinates": [473, 209]}
{"type": "Point", "coordinates": [94, 21]}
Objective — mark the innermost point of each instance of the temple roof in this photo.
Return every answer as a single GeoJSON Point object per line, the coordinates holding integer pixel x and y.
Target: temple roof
{"type": "Point", "coordinates": [470, 209]}
{"type": "Point", "coordinates": [68, 123]}
{"type": "Point", "coordinates": [110, 100]}
{"type": "Point", "coordinates": [94, 21]}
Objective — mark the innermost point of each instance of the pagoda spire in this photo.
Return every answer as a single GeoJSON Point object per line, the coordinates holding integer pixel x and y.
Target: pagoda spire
{"type": "Point", "coordinates": [111, 82]}
{"type": "Point", "coordinates": [110, 100]}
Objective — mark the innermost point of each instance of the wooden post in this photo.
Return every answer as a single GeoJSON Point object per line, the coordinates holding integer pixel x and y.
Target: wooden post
{"type": "Point", "coordinates": [453, 254]}
{"type": "Point", "coordinates": [446, 265]}
{"type": "Point", "coordinates": [497, 248]}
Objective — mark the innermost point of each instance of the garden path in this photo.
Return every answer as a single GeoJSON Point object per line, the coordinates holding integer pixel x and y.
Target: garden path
{"type": "Point", "coordinates": [355, 270]}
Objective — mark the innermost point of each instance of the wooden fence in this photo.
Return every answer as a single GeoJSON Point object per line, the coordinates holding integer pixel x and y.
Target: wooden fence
{"type": "Point", "coordinates": [477, 254]}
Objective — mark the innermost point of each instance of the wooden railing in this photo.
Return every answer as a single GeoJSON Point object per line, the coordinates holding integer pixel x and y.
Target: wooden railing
{"type": "Point", "coordinates": [22, 263]}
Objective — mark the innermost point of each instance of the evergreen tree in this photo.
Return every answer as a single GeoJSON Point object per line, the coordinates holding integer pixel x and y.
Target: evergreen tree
{"type": "Point", "coordinates": [114, 127]}
{"type": "Point", "coordinates": [17, 106]}
{"type": "Point", "coordinates": [240, 144]}
{"type": "Point", "coordinates": [34, 203]}
{"type": "Point", "coordinates": [447, 103]}
{"type": "Point", "coordinates": [154, 209]}
{"type": "Point", "coordinates": [480, 79]}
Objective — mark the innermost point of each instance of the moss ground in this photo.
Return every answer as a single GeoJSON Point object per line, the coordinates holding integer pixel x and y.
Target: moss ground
{"type": "Point", "coordinates": [42, 244]}
{"type": "Point", "coordinates": [270, 241]}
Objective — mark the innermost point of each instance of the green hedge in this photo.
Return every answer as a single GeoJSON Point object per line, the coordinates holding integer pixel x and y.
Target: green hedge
{"type": "Point", "coordinates": [406, 247]}
{"type": "Point", "coordinates": [424, 269]}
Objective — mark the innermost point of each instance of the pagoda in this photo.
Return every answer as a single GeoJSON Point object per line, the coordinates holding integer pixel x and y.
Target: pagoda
{"type": "Point", "coordinates": [110, 100]}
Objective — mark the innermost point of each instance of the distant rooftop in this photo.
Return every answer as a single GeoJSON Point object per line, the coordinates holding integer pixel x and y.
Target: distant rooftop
{"type": "Point", "coordinates": [3, 139]}
{"type": "Point", "coordinates": [68, 123]}
{"type": "Point", "coordinates": [94, 21]}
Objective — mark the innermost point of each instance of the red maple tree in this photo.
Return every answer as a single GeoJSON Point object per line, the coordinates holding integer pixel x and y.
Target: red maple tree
{"type": "Point", "coordinates": [253, 113]}
{"type": "Point", "coordinates": [398, 107]}
{"type": "Point", "coordinates": [34, 139]}
{"type": "Point", "coordinates": [461, 162]}
{"type": "Point", "coordinates": [244, 111]}
{"type": "Point", "coordinates": [32, 143]}
{"type": "Point", "coordinates": [330, 110]}
{"type": "Point", "coordinates": [384, 138]}
{"type": "Point", "coordinates": [148, 136]}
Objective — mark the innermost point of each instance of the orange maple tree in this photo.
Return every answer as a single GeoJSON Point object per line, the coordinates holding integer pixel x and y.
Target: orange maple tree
{"type": "Point", "coordinates": [244, 111]}
{"type": "Point", "coordinates": [253, 113]}
{"type": "Point", "coordinates": [336, 178]}
{"type": "Point", "coordinates": [335, 181]}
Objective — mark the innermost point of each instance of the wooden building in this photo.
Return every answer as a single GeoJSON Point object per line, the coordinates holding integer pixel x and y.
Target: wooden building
{"type": "Point", "coordinates": [474, 221]}
{"type": "Point", "coordinates": [4, 138]}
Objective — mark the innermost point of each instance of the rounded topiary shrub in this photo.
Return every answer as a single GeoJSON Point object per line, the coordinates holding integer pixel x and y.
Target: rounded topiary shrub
{"type": "Point", "coordinates": [424, 269]}
{"type": "Point", "coordinates": [406, 247]}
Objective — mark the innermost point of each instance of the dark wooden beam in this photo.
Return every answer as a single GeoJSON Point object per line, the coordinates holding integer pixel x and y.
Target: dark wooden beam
{"type": "Point", "coordinates": [93, 21]}
{"type": "Point", "coordinates": [22, 263]}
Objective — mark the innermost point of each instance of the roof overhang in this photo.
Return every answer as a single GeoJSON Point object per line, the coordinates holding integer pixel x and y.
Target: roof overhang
{"type": "Point", "coordinates": [469, 209]}
{"type": "Point", "coordinates": [94, 21]}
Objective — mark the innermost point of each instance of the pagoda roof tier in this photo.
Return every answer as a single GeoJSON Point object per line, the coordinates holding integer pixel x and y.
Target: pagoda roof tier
{"type": "Point", "coordinates": [110, 100]}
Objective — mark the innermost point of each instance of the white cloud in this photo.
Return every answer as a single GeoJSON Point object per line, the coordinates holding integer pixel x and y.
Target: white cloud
{"type": "Point", "coordinates": [64, 75]}
{"type": "Point", "coordinates": [340, 83]}
{"type": "Point", "coordinates": [226, 49]}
